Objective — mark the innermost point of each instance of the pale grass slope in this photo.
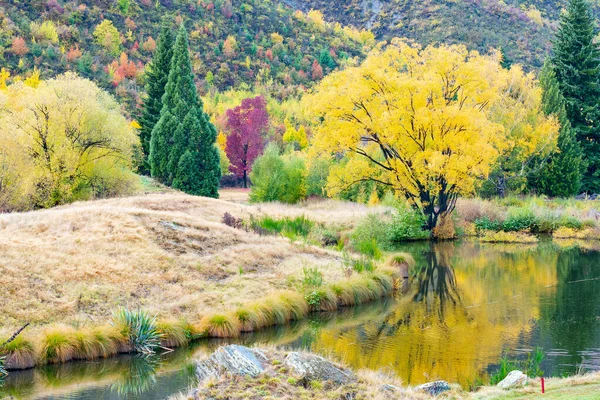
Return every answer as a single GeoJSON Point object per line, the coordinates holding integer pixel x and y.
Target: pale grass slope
{"type": "Point", "coordinates": [166, 253]}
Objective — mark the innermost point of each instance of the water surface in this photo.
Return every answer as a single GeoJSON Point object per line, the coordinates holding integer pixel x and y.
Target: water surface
{"type": "Point", "coordinates": [464, 306]}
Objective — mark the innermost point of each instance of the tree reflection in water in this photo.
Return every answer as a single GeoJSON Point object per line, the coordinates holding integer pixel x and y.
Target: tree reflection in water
{"type": "Point", "coordinates": [436, 281]}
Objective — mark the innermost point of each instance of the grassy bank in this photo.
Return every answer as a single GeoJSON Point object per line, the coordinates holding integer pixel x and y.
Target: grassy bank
{"type": "Point", "coordinates": [68, 269]}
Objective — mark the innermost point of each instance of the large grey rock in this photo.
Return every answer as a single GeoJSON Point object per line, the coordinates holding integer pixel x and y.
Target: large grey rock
{"type": "Point", "coordinates": [232, 359]}
{"type": "Point", "coordinates": [434, 388]}
{"type": "Point", "coordinates": [310, 367]}
{"type": "Point", "coordinates": [514, 379]}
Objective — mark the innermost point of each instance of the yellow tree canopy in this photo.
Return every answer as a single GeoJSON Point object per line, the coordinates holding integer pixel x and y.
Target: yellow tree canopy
{"type": "Point", "coordinates": [425, 122]}
{"type": "Point", "coordinates": [63, 140]}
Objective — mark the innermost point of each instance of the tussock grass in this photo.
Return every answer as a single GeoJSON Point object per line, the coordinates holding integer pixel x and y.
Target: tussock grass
{"type": "Point", "coordinates": [221, 325]}
{"type": "Point", "coordinates": [20, 353]}
{"type": "Point", "coordinates": [250, 319]}
{"type": "Point", "coordinates": [58, 344]}
{"type": "Point", "coordinates": [173, 333]}
{"type": "Point", "coordinates": [396, 260]}
{"type": "Point", "coordinates": [295, 303]}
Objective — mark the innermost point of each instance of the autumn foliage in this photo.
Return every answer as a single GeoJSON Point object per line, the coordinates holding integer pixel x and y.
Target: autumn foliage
{"type": "Point", "coordinates": [427, 123]}
{"type": "Point", "coordinates": [246, 124]}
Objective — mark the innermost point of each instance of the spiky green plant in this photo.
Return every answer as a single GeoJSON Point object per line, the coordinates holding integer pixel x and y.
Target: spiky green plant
{"type": "Point", "coordinates": [3, 371]}
{"type": "Point", "coordinates": [140, 328]}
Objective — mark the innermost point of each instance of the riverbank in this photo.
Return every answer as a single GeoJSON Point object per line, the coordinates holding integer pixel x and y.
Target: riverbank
{"type": "Point", "coordinates": [69, 269]}
{"type": "Point", "coordinates": [268, 372]}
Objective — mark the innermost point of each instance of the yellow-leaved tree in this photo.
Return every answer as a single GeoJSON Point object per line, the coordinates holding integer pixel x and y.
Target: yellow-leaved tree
{"type": "Point", "coordinates": [60, 141]}
{"type": "Point", "coordinates": [423, 122]}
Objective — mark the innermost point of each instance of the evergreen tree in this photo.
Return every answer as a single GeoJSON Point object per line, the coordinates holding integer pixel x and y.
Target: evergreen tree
{"type": "Point", "coordinates": [576, 63]}
{"type": "Point", "coordinates": [183, 152]}
{"type": "Point", "coordinates": [560, 175]}
{"type": "Point", "coordinates": [156, 80]}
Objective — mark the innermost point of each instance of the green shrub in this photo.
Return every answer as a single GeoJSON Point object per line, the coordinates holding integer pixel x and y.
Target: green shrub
{"type": "Point", "coordinates": [486, 224]}
{"type": "Point", "coordinates": [407, 224]}
{"type": "Point", "coordinates": [369, 248]}
{"type": "Point", "coordinates": [519, 219]}
{"type": "Point", "coordinates": [316, 178]}
{"type": "Point", "coordinates": [370, 230]}
{"type": "Point", "coordinates": [278, 178]}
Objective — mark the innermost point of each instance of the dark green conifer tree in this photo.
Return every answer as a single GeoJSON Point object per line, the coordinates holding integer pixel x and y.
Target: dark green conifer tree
{"type": "Point", "coordinates": [156, 80]}
{"type": "Point", "coordinates": [559, 175]}
{"type": "Point", "coordinates": [576, 61]}
{"type": "Point", "coordinates": [183, 152]}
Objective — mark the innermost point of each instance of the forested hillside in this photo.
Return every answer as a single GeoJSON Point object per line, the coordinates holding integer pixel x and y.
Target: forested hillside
{"type": "Point", "coordinates": [522, 28]}
{"type": "Point", "coordinates": [232, 42]}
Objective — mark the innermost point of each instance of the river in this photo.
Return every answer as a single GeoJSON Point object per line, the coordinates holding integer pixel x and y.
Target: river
{"type": "Point", "coordinates": [464, 306]}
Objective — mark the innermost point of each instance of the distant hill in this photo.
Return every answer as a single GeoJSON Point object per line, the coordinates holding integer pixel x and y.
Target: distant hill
{"type": "Point", "coordinates": [522, 28]}
{"type": "Point", "coordinates": [232, 42]}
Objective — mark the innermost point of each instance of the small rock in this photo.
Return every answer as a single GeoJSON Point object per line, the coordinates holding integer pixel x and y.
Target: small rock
{"type": "Point", "coordinates": [232, 359]}
{"type": "Point", "coordinates": [389, 388]}
{"type": "Point", "coordinates": [314, 368]}
{"type": "Point", "coordinates": [434, 388]}
{"type": "Point", "coordinates": [513, 379]}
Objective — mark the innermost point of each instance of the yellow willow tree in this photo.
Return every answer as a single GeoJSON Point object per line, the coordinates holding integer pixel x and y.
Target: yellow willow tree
{"type": "Point", "coordinates": [415, 120]}
{"type": "Point", "coordinates": [60, 141]}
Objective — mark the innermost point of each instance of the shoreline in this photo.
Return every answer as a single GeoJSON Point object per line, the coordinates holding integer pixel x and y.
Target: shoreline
{"type": "Point", "coordinates": [278, 309]}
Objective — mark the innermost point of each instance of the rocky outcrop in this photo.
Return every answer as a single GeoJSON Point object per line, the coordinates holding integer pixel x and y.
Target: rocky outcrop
{"type": "Point", "coordinates": [309, 367]}
{"type": "Point", "coordinates": [434, 388]}
{"type": "Point", "coordinates": [233, 360]}
{"type": "Point", "coordinates": [513, 380]}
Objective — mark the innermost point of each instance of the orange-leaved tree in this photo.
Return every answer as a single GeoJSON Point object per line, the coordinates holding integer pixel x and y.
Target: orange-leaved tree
{"type": "Point", "coordinates": [419, 121]}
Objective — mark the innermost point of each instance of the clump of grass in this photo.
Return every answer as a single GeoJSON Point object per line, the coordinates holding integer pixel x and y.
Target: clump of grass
{"type": "Point", "coordinates": [531, 366]}
{"type": "Point", "coordinates": [359, 264]}
{"type": "Point", "coordinates": [107, 341]}
{"type": "Point", "coordinates": [221, 325]}
{"type": "Point", "coordinates": [400, 259]}
{"type": "Point", "coordinates": [295, 303]}
{"type": "Point", "coordinates": [289, 227]}
{"type": "Point", "coordinates": [173, 333]}
{"type": "Point", "coordinates": [313, 278]}
{"type": "Point", "coordinates": [571, 233]}
{"type": "Point", "coordinates": [20, 353]}
{"type": "Point", "coordinates": [507, 237]}
{"type": "Point", "coordinates": [140, 329]}
{"type": "Point", "coordinates": [249, 319]}
{"type": "Point", "coordinates": [58, 344]}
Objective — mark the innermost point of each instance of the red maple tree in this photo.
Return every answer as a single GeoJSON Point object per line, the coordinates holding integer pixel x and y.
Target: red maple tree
{"type": "Point", "coordinates": [246, 124]}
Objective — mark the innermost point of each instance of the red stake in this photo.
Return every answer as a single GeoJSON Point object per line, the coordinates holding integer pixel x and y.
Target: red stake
{"type": "Point", "coordinates": [543, 389]}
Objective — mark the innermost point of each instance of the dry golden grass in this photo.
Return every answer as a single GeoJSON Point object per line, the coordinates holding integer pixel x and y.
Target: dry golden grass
{"type": "Point", "coordinates": [168, 254]}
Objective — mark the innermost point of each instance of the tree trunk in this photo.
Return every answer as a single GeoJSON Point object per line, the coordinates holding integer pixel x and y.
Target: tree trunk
{"type": "Point", "coordinates": [245, 180]}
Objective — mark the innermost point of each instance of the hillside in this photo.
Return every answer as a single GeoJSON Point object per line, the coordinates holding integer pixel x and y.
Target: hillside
{"type": "Point", "coordinates": [232, 42]}
{"type": "Point", "coordinates": [166, 253]}
{"type": "Point", "coordinates": [522, 28]}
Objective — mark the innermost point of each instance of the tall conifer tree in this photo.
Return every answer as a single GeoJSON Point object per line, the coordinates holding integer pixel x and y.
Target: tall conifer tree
{"type": "Point", "coordinates": [183, 152]}
{"type": "Point", "coordinates": [156, 80]}
{"type": "Point", "coordinates": [576, 63]}
{"type": "Point", "coordinates": [560, 175]}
